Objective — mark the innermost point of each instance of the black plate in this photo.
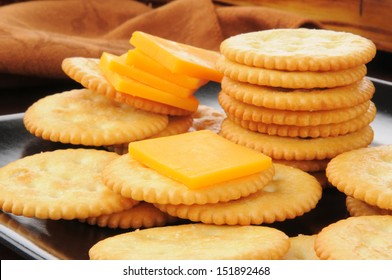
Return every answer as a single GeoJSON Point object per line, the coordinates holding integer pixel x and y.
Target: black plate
{"type": "Point", "coordinates": [46, 239]}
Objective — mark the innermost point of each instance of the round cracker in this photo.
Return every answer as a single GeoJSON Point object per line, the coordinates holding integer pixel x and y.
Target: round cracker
{"type": "Point", "coordinates": [83, 117]}
{"type": "Point", "coordinates": [207, 117]}
{"type": "Point", "coordinates": [300, 99]}
{"type": "Point", "coordinates": [63, 184]}
{"type": "Point", "coordinates": [247, 112]}
{"type": "Point", "coordinates": [299, 49]}
{"type": "Point", "coordinates": [290, 148]}
{"type": "Point", "coordinates": [321, 178]}
{"type": "Point", "coordinates": [194, 241]}
{"type": "Point", "coordinates": [285, 79]}
{"type": "Point", "coordinates": [363, 238]}
{"type": "Point", "coordinates": [305, 165]}
{"type": "Point", "coordinates": [129, 178]}
{"type": "Point", "coordinates": [302, 248]}
{"type": "Point", "coordinates": [369, 179]}
{"type": "Point", "coordinates": [176, 125]}
{"type": "Point", "coordinates": [356, 207]}
{"type": "Point", "coordinates": [86, 72]}
{"type": "Point", "coordinates": [143, 215]}
{"type": "Point", "coordinates": [290, 194]}
{"type": "Point", "coordinates": [313, 131]}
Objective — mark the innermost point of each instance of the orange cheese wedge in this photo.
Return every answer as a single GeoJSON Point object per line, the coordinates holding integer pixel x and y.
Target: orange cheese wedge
{"type": "Point", "coordinates": [132, 87]}
{"type": "Point", "coordinates": [198, 159]}
{"type": "Point", "coordinates": [145, 63]}
{"type": "Point", "coordinates": [177, 57]}
{"type": "Point", "coordinates": [118, 65]}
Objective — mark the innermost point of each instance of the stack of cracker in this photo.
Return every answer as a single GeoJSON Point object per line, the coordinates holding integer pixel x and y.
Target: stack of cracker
{"type": "Point", "coordinates": [125, 98]}
{"type": "Point", "coordinates": [225, 188]}
{"type": "Point", "coordinates": [276, 193]}
{"type": "Point", "coordinates": [297, 95]}
{"type": "Point", "coordinates": [105, 114]}
{"type": "Point", "coordinates": [364, 175]}
{"type": "Point", "coordinates": [367, 184]}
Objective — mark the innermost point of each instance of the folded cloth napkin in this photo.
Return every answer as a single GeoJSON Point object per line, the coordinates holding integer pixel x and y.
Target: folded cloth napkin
{"type": "Point", "coordinates": [35, 36]}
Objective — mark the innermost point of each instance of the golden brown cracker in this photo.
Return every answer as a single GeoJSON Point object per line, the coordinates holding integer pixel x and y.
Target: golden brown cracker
{"type": "Point", "coordinates": [176, 125]}
{"type": "Point", "coordinates": [356, 207]}
{"type": "Point", "coordinates": [369, 179]}
{"type": "Point", "coordinates": [321, 178]}
{"type": "Point", "coordinates": [63, 184]}
{"type": "Point", "coordinates": [194, 241]}
{"type": "Point", "coordinates": [356, 238]}
{"type": "Point", "coordinates": [313, 131]}
{"type": "Point", "coordinates": [83, 117]}
{"type": "Point", "coordinates": [287, 79]}
{"type": "Point", "coordinates": [289, 148]}
{"type": "Point", "coordinates": [248, 112]}
{"type": "Point", "coordinates": [207, 117]}
{"type": "Point", "coordinates": [289, 194]}
{"type": "Point", "coordinates": [143, 215]}
{"type": "Point", "coordinates": [302, 248]}
{"type": "Point", "coordinates": [130, 178]}
{"type": "Point", "coordinates": [300, 99]}
{"type": "Point", "coordinates": [305, 165]}
{"type": "Point", "coordinates": [299, 49]}
{"type": "Point", "coordinates": [86, 72]}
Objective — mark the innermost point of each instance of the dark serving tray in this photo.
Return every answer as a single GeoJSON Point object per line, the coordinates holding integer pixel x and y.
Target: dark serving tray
{"type": "Point", "coordinates": [47, 239]}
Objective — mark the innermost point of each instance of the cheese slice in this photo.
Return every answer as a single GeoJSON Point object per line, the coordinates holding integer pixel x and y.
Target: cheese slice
{"type": "Point", "coordinates": [177, 57]}
{"type": "Point", "coordinates": [118, 64]}
{"type": "Point", "coordinates": [198, 159]}
{"type": "Point", "coordinates": [145, 63]}
{"type": "Point", "coordinates": [132, 87]}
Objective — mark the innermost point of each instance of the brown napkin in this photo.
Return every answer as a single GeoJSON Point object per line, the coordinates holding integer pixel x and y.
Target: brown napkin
{"type": "Point", "coordinates": [35, 36]}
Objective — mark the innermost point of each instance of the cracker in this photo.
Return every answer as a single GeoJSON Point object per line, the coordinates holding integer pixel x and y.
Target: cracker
{"type": "Point", "coordinates": [321, 178]}
{"type": "Point", "coordinates": [194, 241]}
{"type": "Point", "coordinates": [86, 72]}
{"type": "Point", "coordinates": [300, 99]}
{"type": "Point", "coordinates": [290, 194]}
{"type": "Point", "coordinates": [302, 248]}
{"type": "Point", "coordinates": [129, 178]}
{"type": "Point", "coordinates": [356, 207]}
{"type": "Point", "coordinates": [143, 215]}
{"type": "Point", "coordinates": [369, 179]}
{"type": "Point", "coordinates": [207, 117]}
{"type": "Point", "coordinates": [285, 79]}
{"type": "Point", "coordinates": [289, 148]}
{"type": "Point", "coordinates": [356, 238]}
{"type": "Point", "coordinates": [253, 113]}
{"type": "Point", "coordinates": [176, 125]}
{"type": "Point", "coordinates": [63, 184]}
{"type": "Point", "coordinates": [313, 131]}
{"type": "Point", "coordinates": [299, 49]}
{"type": "Point", "coordinates": [305, 165]}
{"type": "Point", "coordinates": [83, 117]}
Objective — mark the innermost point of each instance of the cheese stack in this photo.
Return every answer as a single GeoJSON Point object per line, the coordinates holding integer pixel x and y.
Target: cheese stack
{"type": "Point", "coordinates": [161, 70]}
{"type": "Point", "coordinates": [298, 95]}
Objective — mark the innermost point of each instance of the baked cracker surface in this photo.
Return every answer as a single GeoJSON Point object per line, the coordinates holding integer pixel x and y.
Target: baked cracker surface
{"type": "Point", "coordinates": [194, 241]}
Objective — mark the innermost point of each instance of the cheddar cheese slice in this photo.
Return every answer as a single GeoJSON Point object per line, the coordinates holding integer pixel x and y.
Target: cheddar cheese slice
{"type": "Point", "coordinates": [198, 159]}
{"type": "Point", "coordinates": [177, 57]}
{"type": "Point", "coordinates": [145, 63]}
{"type": "Point", "coordinates": [132, 87]}
{"type": "Point", "coordinates": [118, 65]}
